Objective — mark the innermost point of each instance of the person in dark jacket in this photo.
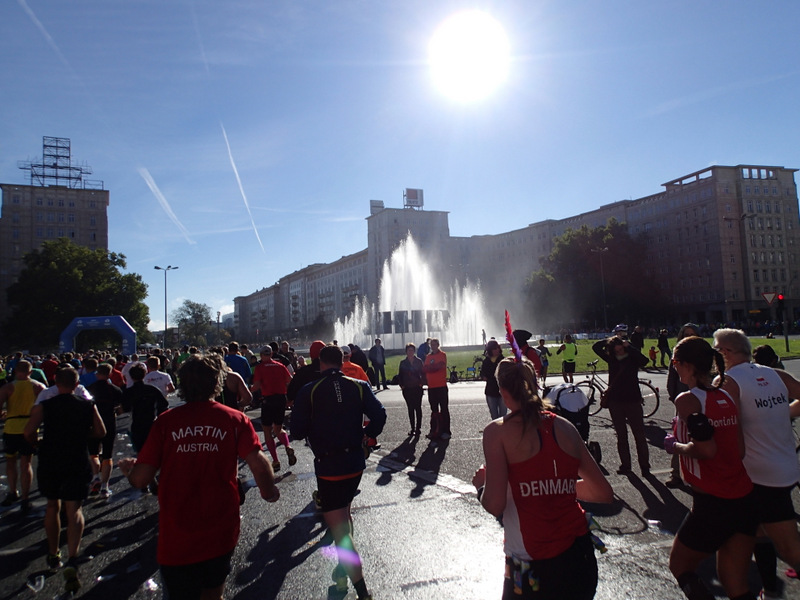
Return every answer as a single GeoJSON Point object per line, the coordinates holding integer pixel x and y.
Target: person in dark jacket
{"type": "Point", "coordinates": [145, 403]}
{"type": "Point", "coordinates": [494, 354]}
{"type": "Point", "coordinates": [625, 399]}
{"type": "Point", "coordinates": [329, 412]}
{"type": "Point", "coordinates": [411, 379]}
{"type": "Point", "coordinates": [377, 356]}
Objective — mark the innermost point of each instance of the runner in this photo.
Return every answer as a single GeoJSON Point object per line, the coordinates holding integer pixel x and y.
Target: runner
{"type": "Point", "coordinates": [18, 397]}
{"type": "Point", "coordinates": [329, 412]}
{"type": "Point", "coordinates": [763, 396]}
{"type": "Point", "coordinates": [536, 467]}
{"type": "Point", "coordinates": [108, 399]}
{"type": "Point", "coordinates": [64, 469]}
{"type": "Point", "coordinates": [197, 446]}
{"type": "Point", "coordinates": [708, 440]}
{"type": "Point", "coordinates": [271, 379]}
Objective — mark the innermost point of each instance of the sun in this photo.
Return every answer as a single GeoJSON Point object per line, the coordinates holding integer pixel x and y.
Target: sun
{"type": "Point", "coordinates": [469, 56]}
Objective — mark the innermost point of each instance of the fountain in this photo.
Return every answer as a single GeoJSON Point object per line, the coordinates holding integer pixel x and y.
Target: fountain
{"type": "Point", "coordinates": [412, 306]}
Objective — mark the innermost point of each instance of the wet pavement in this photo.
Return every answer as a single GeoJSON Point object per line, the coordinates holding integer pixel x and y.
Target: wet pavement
{"type": "Point", "coordinates": [418, 525]}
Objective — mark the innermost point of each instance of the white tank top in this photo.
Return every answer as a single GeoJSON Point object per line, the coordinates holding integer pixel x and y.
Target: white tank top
{"type": "Point", "coordinates": [770, 457]}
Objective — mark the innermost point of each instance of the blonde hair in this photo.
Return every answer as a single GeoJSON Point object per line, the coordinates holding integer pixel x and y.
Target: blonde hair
{"type": "Point", "coordinates": [519, 380]}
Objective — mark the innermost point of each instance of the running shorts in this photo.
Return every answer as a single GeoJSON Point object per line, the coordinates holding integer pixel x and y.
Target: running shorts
{"type": "Point", "coordinates": [336, 494]}
{"type": "Point", "coordinates": [713, 520]}
{"type": "Point", "coordinates": [273, 410]}
{"type": "Point", "coordinates": [774, 504]}
{"type": "Point", "coordinates": [186, 582]}
{"type": "Point", "coordinates": [15, 443]}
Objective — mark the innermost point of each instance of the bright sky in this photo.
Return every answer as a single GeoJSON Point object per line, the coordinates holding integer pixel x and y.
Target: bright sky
{"type": "Point", "coordinates": [243, 140]}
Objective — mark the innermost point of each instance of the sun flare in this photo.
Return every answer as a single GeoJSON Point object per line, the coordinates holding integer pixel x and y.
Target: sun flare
{"type": "Point", "coordinates": [469, 56]}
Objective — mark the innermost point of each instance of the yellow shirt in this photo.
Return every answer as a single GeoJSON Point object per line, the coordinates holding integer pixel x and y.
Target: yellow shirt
{"type": "Point", "coordinates": [19, 406]}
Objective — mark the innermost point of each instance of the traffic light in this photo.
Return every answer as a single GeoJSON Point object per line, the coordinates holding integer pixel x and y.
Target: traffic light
{"type": "Point", "coordinates": [779, 310]}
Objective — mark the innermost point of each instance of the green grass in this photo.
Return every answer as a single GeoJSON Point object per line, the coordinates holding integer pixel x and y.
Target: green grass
{"type": "Point", "coordinates": [464, 358]}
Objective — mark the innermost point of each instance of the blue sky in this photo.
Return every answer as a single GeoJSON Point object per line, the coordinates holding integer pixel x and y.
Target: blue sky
{"type": "Point", "coordinates": [243, 140]}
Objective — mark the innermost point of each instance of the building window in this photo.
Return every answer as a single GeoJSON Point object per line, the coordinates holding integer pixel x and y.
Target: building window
{"type": "Point", "coordinates": [749, 206]}
{"type": "Point", "coordinates": [777, 207]}
{"type": "Point", "coordinates": [50, 217]}
{"type": "Point", "coordinates": [93, 221]}
{"type": "Point", "coordinates": [755, 275]}
{"type": "Point", "coordinates": [15, 199]}
{"type": "Point", "coordinates": [39, 201]}
{"type": "Point", "coordinates": [61, 202]}
{"type": "Point", "coordinates": [39, 232]}
{"type": "Point", "coordinates": [49, 202]}
{"type": "Point", "coordinates": [733, 259]}
{"type": "Point", "coordinates": [60, 217]}
{"type": "Point", "coordinates": [71, 204]}
{"type": "Point", "coordinates": [15, 233]}
{"type": "Point", "coordinates": [70, 218]}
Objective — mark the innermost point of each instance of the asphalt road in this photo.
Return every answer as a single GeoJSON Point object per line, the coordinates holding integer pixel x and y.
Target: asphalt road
{"type": "Point", "coordinates": [418, 525]}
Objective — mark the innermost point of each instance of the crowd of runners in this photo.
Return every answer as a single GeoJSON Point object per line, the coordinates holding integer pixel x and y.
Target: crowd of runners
{"type": "Point", "coordinates": [732, 438]}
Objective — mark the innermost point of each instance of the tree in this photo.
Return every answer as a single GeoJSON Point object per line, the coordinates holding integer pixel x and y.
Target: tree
{"type": "Point", "coordinates": [61, 281]}
{"type": "Point", "coordinates": [194, 321]}
{"type": "Point", "coordinates": [568, 290]}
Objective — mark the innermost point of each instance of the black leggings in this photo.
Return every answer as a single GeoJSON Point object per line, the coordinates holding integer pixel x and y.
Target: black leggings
{"type": "Point", "coordinates": [413, 398]}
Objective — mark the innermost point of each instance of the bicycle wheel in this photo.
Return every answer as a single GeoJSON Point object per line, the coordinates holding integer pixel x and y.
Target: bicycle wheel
{"type": "Point", "coordinates": [593, 393]}
{"type": "Point", "coordinates": [650, 398]}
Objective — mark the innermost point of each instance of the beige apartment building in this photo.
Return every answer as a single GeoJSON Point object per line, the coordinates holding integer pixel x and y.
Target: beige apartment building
{"type": "Point", "coordinates": [718, 239]}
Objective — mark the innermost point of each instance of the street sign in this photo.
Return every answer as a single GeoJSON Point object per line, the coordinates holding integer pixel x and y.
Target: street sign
{"type": "Point", "coordinates": [769, 297]}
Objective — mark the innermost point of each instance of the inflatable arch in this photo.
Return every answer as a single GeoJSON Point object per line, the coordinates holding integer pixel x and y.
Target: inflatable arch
{"type": "Point", "coordinates": [66, 342]}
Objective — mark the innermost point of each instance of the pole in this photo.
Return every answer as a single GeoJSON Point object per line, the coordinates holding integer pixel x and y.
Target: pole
{"type": "Point", "coordinates": [165, 269]}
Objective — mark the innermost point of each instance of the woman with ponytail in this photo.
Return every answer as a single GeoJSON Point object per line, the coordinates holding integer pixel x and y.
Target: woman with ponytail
{"type": "Point", "coordinates": [708, 439]}
{"type": "Point", "coordinates": [542, 461]}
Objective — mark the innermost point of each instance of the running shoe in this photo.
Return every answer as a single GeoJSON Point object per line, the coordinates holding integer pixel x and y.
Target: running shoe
{"type": "Point", "coordinates": [276, 465]}
{"type": "Point", "coordinates": [54, 561]}
{"type": "Point", "coordinates": [673, 482]}
{"type": "Point", "coordinates": [292, 457]}
{"type": "Point", "coordinates": [10, 499]}
{"type": "Point", "coordinates": [105, 492]}
{"type": "Point", "coordinates": [71, 582]}
{"type": "Point", "coordinates": [339, 577]}
{"type": "Point", "coordinates": [95, 489]}
{"type": "Point", "coordinates": [446, 436]}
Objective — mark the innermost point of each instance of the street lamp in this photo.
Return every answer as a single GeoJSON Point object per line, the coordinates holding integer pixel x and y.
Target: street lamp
{"type": "Point", "coordinates": [602, 251]}
{"type": "Point", "coordinates": [165, 269]}
{"type": "Point", "coordinates": [219, 339]}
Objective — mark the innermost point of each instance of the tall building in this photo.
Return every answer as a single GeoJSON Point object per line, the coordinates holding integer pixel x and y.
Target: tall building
{"type": "Point", "coordinates": [721, 241]}
{"type": "Point", "coordinates": [58, 202]}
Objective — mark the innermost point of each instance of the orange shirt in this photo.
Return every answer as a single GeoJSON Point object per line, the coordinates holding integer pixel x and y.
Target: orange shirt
{"type": "Point", "coordinates": [351, 369]}
{"type": "Point", "coordinates": [435, 367]}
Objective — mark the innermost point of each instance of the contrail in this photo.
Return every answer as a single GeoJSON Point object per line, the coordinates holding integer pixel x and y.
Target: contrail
{"type": "Point", "coordinates": [148, 179]}
{"type": "Point", "coordinates": [197, 35]}
{"type": "Point", "coordinates": [241, 189]}
{"type": "Point", "coordinates": [47, 37]}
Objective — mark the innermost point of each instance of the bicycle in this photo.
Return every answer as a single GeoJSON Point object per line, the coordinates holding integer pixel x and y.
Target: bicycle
{"type": "Point", "coordinates": [593, 386]}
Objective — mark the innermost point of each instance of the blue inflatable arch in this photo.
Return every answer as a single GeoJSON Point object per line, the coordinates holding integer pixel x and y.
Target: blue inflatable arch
{"type": "Point", "coordinates": [66, 342]}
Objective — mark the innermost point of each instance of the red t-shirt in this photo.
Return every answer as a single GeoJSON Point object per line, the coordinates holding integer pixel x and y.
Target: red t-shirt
{"type": "Point", "coordinates": [435, 368]}
{"type": "Point", "coordinates": [196, 446]}
{"type": "Point", "coordinates": [274, 377]}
